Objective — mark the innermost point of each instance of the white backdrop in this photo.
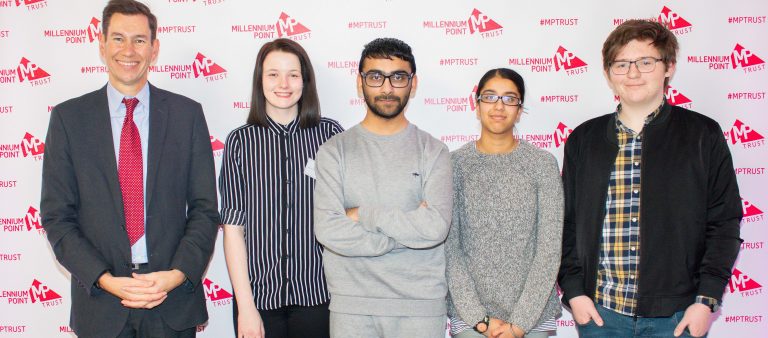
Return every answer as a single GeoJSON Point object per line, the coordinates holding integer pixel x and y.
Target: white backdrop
{"type": "Point", "coordinates": [49, 53]}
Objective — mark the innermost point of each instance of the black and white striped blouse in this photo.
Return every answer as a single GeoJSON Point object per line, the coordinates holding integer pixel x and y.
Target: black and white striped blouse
{"type": "Point", "coordinates": [266, 183]}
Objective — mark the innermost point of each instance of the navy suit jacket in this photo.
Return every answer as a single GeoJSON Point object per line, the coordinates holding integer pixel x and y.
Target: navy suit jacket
{"type": "Point", "coordinates": [82, 208]}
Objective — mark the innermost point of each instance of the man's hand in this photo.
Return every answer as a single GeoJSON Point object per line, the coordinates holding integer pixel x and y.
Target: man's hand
{"type": "Point", "coordinates": [162, 283]}
{"type": "Point", "coordinates": [696, 319]}
{"type": "Point", "coordinates": [583, 309]}
{"type": "Point", "coordinates": [131, 291]}
{"type": "Point", "coordinates": [352, 214]}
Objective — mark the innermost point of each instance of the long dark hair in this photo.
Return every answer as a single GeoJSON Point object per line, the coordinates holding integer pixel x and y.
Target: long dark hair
{"type": "Point", "coordinates": [309, 104]}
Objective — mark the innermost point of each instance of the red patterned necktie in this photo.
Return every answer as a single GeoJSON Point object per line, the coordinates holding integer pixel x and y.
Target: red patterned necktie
{"type": "Point", "coordinates": [130, 171]}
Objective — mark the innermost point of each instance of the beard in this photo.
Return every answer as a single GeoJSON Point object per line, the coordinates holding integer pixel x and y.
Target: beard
{"type": "Point", "coordinates": [401, 103]}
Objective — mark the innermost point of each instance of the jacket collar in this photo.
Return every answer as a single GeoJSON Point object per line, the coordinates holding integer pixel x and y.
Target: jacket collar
{"type": "Point", "coordinates": [661, 118]}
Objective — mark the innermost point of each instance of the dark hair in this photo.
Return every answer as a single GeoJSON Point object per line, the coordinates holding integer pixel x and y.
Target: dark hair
{"type": "Point", "coordinates": [641, 30]}
{"type": "Point", "coordinates": [128, 7]}
{"type": "Point", "coordinates": [309, 104]}
{"type": "Point", "coordinates": [387, 48]}
{"type": "Point", "coordinates": [504, 73]}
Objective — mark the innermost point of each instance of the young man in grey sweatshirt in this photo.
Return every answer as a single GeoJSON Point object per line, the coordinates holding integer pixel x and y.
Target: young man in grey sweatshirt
{"type": "Point", "coordinates": [383, 203]}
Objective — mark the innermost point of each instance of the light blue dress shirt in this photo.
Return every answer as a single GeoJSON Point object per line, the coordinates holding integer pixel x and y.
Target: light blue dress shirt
{"type": "Point", "coordinates": [141, 118]}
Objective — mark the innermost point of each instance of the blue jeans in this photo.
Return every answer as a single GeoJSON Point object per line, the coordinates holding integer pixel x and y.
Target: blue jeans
{"type": "Point", "coordinates": [617, 325]}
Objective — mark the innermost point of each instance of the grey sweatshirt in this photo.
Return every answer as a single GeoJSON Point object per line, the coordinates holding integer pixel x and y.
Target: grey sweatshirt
{"type": "Point", "coordinates": [503, 250]}
{"type": "Point", "coordinates": [391, 262]}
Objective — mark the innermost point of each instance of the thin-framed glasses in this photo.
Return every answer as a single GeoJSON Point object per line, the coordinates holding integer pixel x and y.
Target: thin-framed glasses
{"type": "Point", "coordinates": [644, 65]}
{"type": "Point", "coordinates": [507, 100]}
{"type": "Point", "coordinates": [396, 79]}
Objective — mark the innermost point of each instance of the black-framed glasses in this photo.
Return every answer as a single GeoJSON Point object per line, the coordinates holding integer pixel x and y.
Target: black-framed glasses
{"type": "Point", "coordinates": [396, 79]}
{"type": "Point", "coordinates": [644, 65]}
{"type": "Point", "coordinates": [507, 100]}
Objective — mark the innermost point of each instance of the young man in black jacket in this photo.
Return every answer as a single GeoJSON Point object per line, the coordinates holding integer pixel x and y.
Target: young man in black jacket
{"type": "Point", "coordinates": [652, 207]}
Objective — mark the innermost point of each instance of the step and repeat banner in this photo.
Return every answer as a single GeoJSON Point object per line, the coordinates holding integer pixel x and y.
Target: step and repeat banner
{"type": "Point", "coordinates": [49, 53]}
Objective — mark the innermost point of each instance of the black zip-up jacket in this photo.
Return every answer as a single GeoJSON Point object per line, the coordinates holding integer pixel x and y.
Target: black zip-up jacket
{"type": "Point", "coordinates": [690, 209]}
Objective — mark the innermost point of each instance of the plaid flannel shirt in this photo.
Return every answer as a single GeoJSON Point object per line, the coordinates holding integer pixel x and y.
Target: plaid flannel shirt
{"type": "Point", "coordinates": [620, 241]}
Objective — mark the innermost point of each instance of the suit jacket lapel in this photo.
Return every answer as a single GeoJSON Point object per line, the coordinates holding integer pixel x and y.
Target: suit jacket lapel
{"type": "Point", "coordinates": [158, 116]}
{"type": "Point", "coordinates": [101, 131]}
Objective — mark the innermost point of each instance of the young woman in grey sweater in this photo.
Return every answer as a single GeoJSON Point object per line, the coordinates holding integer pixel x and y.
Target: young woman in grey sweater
{"type": "Point", "coordinates": [503, 249]}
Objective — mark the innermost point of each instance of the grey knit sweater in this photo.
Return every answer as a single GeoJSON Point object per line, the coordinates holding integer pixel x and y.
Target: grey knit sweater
{"type": "Point", "coordinates": [392, 261]}
{"type": "Point", "coordinates": [503, 249]}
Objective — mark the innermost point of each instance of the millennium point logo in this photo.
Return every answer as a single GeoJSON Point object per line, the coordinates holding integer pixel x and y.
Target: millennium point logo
{"type": "Point", "coordinates": [744, 58]}
{"type": "Point", "coordinates": [743, 284]}
{"type": "Point", "coordinates": [29, 147]}
{"type": "Point", "coordinates": [257, 31]}
{"type": "Point", "coordinates": [547, 140]}
{"type": "Point", "coordinates": [32, 73]}
{"type": "Point", "coordinates": [561, 134]}
{"type": "Point", "coordinates": [478, 23]}
{"type": "Point", "coordinates": [740, 58]}
{"type": "Point", "coordinates": [455, 103]}
{"type": "Point", "coordinates": [482, 24]}
{"type": "Point", "coordinates": [89, 34]}
{"type": "Point", "coordinates": [32, 5]}
{"type": "Point", "coordinates": [677, 98]}
{"type": "Point", "coordinates": [473, 98]}
{"type": "Point", "coordinates": [217, 146]}
{"type": "Point", "coordinates": [29, 223]}
{"type": "Point", "coordinates": [32, 147]}
{"type": "Point", "coordinates": [288, 27]}
{"type": "Point", "coordinates": [216, 294]}
{"type": "Point", "coordinates": [743, 134]}
{"type": "Point", "coordinates": [563, 60]}
{"type": "Point", "coordinates": [674, 21]}
{"type": "Point", "coordinates": [32, 220]}
{"type": "Point", "coordinates": [40, 293]}
{"type": "Point", "coordinates": [205, 67]}
{"type": "Point", "coordinates": [348, 66]}
{"type": "Point", "coordinates": [568, 62]}
{"type": "Point", "coordinates": [751, 212]}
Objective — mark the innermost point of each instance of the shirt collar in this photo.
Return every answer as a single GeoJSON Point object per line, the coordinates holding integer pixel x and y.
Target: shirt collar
{"type": "Point", "coordinates": [115, 99]}
{"type": "Point", "coordinates": [289, 128]}
{"type": "Point", "coordinates": [621, 127]}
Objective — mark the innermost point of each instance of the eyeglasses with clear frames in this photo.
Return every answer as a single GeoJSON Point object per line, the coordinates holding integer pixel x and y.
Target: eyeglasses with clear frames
{"type": "Point", "coordinates": [396, 79]}
{"type": "Point", "coordinates": [507, 100]}
{"type": "Point", "coordinates": [644, 65]}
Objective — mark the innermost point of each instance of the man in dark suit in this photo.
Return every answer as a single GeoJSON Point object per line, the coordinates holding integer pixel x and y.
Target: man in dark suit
{"type": "Point", "coordinates": [128, 197]}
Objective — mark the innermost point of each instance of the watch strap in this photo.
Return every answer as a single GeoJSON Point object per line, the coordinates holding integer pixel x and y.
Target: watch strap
{"type": "Point", "coordinates": [710, 302]}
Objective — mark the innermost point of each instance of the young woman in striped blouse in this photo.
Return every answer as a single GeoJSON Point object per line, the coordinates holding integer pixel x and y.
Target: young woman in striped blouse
{"type": "Point", "coordinates": [266, 183]}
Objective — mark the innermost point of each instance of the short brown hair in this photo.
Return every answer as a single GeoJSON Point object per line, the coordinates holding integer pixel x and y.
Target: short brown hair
{"type": "Point", "coordinates": [128, 7]}
{"type": "Point", "coordinates": [309, 103]}
{"type": "Point", "coordinates": [641, 30]}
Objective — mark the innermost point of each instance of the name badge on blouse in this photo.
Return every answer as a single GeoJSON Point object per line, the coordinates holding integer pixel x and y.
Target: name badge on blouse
{"type": "Point", "coordinates": [309, 170]}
